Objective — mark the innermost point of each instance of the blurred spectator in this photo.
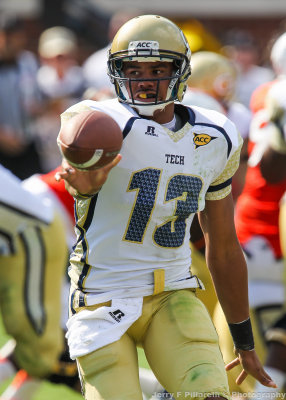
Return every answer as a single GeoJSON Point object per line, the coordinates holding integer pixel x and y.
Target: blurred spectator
{"type": "Point", "coordinates": [60, 75]}
{"type": "Point", "coordinates": [95, 67]}
{"type": "Point", "coordinates": [19, 100]}
{"type": "Point", "coordinates": [242, 49]}
{"type": "Point", "coordinates": [61, 83]}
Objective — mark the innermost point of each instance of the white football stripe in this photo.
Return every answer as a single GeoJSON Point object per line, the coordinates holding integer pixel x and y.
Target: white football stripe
{"type": "Point", "coordinates": [93, 160]}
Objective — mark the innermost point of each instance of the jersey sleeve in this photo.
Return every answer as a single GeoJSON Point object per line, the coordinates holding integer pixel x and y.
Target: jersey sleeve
{"type": "Point", "coordinates": [19, 209]}
{"type": "Point", "coordinates": [221, 187]}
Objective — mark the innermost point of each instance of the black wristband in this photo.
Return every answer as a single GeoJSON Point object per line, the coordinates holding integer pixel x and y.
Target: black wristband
{"type": "Point", "coordinates": [242, 335]}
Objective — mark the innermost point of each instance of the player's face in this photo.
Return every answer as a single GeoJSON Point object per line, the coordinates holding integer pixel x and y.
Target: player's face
{"type": "Point", "coordinates": [148, 89]}
{"type": "Point", "coordinates": [145, 86]}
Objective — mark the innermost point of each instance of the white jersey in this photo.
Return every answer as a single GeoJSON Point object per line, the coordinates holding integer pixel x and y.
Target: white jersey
{"type": "Point", "coordinates": [40, 188]}
{"type": "Point", "coordinates": [19, 209]}
{"type": "Point", "coordinates": [140, 220]}
{"type": "Point", "coordinates": [241, 116]}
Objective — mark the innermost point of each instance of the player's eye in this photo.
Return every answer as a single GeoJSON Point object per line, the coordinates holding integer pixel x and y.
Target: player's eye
{"type": "Point", "coordinates": [132, 73]}
{"type": "Point", "coordinates": [158, 71]}
{"type": "Point", "coordinates": [135, 72]}
{"type": "Point", "coordinates": [161, 72]}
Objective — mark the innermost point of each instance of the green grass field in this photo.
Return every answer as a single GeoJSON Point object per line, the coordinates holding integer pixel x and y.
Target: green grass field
{"type": "Point", "coordinates": [50, 391]}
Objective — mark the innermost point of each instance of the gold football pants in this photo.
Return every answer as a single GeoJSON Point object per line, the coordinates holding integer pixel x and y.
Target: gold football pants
{"type": "Point", "coordinates": [181, 346]}
{"type": "Point", "coordinates": [30, 296]}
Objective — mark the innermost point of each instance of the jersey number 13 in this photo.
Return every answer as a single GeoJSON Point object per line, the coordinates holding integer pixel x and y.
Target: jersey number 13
{"type": "Point", "coordinates": [183, 189]}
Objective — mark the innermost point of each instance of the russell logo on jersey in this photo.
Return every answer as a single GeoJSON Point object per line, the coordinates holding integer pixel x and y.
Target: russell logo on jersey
{"type": "Point", "coordinates": [117, 315]}
{"type": "Point", "coordinates": [151, 131]}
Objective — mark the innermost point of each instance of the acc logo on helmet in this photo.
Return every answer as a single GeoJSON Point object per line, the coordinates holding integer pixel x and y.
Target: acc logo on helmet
{"type": "Point", "coordinates": [138, 45]}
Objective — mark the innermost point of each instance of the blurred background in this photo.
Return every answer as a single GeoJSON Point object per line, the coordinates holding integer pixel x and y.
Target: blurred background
{"type": "Point", "coordinates": [213, 18]}
{"type": "Point", "coordinates": [53, 53]}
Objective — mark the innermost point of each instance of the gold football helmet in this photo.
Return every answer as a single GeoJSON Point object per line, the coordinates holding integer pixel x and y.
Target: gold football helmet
{"type": "Point", "coordinates": [214, 74]}
{"type": "Point", "coordinates": [150, 38]}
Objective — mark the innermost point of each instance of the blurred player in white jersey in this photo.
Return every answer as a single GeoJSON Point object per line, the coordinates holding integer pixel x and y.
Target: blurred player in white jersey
{"type": "Point", "coordinates": [33, 260]}
{"type": "Point", "coordinates": [216, 75]}
{"type": "Point", "coordinates": [211, 85]}
{"type": "Point", "coordinates": [31, 279]}
{"type": "Point", "coordinates": [131, 283]}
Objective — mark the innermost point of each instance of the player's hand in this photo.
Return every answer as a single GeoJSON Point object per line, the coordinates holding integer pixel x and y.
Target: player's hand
{"type": "Point", "coordinates": [85, 182]}
{"type": "Point", "coordinates": [251, 366]}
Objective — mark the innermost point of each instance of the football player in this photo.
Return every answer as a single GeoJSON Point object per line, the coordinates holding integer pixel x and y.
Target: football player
{"type": "Point", "coordinates": [258, 212]}
{"type": "Point", "coordinates": [33, 265]}
{"type": "Point", "coordinates": [214, 76]}
{"type": "Point", "coordinates": [30, 281]}
{"type": "Point", "coordinates": [131, 283]}
{"type": "Point", "coordinates": [273, 169]}
{"type": "Point", "coordinates": [23, 385]}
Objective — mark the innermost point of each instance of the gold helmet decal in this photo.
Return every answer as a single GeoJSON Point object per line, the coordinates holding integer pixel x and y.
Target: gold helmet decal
{"type": "Point", "coordinates": [202, 139]}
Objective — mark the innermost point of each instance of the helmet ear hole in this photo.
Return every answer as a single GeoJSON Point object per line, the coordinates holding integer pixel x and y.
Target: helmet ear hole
{"type": "Point", "coordinates": [118, 64]}
{"type": "Point", "coordinates": [177, 64]}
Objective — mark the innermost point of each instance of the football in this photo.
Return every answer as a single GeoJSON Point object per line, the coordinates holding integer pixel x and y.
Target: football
{"type": "Point", "coordinates": [90, 140]}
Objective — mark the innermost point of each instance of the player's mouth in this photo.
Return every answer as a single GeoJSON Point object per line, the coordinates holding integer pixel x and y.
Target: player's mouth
{"type": "Point", "coordinates": [144, 96]}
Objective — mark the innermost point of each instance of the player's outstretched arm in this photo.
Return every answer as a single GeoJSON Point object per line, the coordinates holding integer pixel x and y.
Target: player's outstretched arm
{"type": "Point", "coordinates": [229, 272]}
{"type": "Point", "coordinates": [81, 183]}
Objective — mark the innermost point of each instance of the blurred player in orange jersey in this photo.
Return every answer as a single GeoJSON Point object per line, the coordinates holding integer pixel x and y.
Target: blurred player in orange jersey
{"type": "Point", "coordinates": [273, 169]}
{"type": "Point", "coordinates": [258, 212]}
